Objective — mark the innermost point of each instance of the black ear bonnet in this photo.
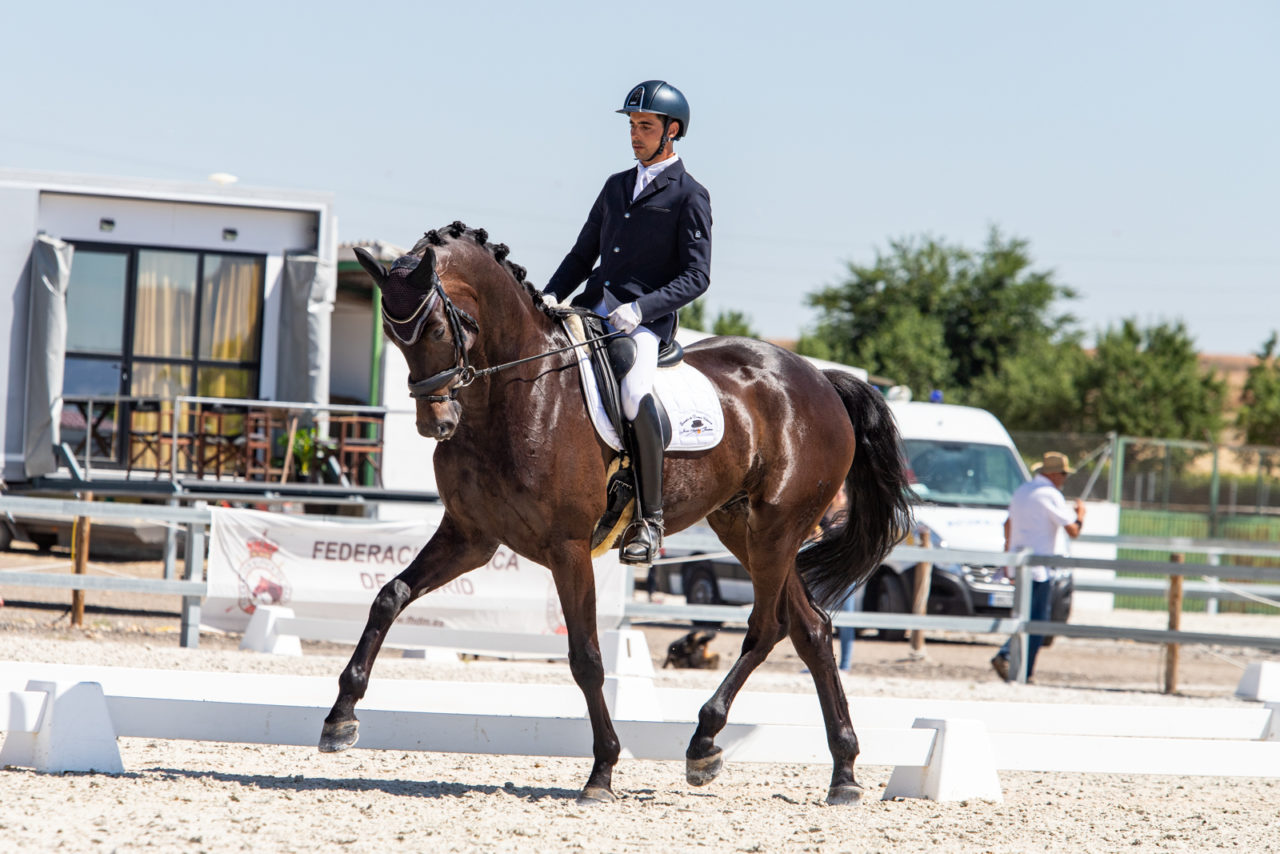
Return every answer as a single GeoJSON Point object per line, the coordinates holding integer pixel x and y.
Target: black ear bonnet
{"type": "Point", "coordinates": [408, 295]}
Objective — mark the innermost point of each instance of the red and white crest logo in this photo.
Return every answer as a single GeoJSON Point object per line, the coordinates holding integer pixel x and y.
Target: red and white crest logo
{"type": "Point", "coordinates": [262, 581]}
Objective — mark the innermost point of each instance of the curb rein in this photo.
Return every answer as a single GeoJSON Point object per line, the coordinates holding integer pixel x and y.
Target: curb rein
{"type": "Point", "coordinates": [462, 368]}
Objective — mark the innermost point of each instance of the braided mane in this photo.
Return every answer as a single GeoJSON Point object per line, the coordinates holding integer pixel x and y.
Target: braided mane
{"type": "Point", "coordinates": [457, 231]}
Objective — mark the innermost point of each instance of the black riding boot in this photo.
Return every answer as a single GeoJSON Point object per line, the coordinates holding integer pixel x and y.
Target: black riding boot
{"type": "Point", "coordinates": [648, 448]}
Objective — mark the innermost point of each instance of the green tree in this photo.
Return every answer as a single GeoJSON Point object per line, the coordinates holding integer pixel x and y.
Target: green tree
{"type": "Point", "coordinates": [1259, 415]}
{"type": "Point", "coordinates": [694, 315]}
{"type": "Point", "coordinates": [1038, 389]}
{"type": "Point", "coordinates": [733, 323]}
{"type": "Point", "coordinates": [934, 315]}
{"type": "Point", "coordinates": [1148, 382]}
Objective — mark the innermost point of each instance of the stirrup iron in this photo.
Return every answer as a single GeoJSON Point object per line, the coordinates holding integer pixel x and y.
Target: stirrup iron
{"type": "Point", "coordinates": [644, 543]}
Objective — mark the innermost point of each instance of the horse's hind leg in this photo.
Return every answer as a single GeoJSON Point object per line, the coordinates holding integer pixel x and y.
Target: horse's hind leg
{"type": "Point", "coordinates": [575, 585]}
{"type": "Point", "coordinates": [446, 555]}
{"type": "Point", "coordinates": [771, 559]}
{"type": "Point", "coordinates": [811, 636]}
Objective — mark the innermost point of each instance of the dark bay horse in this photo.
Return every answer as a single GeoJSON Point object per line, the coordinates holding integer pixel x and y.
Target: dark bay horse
{"type": "Point", "coordinates": [519, 465]}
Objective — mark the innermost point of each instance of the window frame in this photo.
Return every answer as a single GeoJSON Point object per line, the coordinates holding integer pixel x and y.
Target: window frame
{"type": "Point", "coordinates": [129, 359]}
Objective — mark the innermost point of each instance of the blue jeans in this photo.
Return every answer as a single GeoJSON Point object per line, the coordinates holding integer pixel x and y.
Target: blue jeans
{"type": "Point", "coordinates": [846, 634]}
{"type": "Point", "coordinates": [1041, 601]}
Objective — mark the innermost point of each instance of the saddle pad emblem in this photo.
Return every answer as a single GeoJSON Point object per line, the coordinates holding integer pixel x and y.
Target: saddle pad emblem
{"type": "Point", "coordinates": [695, 425]}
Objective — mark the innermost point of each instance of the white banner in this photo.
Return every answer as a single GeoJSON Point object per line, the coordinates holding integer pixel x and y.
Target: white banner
{"type": "Point", "coordinates": [332, 568]}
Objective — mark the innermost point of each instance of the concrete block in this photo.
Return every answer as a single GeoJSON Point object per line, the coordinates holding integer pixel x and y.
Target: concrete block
{"type": "Point", "coordinates": [262, 633]}
{"type": "Point", "coordinates": [625, 652]}
{"type": "Point", "coordinates": [74, 733]}
{"type": "Point", "coordinates": [628, 685]}
{"type": "Point", "coordinates": [961, 765]}
{"type": "Point", "coordinates": [1261, 681]}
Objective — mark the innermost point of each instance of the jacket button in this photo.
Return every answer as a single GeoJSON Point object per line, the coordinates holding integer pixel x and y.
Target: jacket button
{"type": "Point", "coordinates": [626, 216]}
{"type": "Point", "coordinates": [606, 284]}
{"type": "Point", "coordinates": [615, 249]}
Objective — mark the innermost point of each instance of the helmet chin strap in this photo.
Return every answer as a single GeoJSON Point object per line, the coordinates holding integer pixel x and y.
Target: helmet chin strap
{"type": "Point", "coordinates": [662, 143]}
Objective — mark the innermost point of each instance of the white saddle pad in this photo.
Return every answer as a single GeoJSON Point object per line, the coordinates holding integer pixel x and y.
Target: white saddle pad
{"type": "Point", "coordinates": [697, 421]}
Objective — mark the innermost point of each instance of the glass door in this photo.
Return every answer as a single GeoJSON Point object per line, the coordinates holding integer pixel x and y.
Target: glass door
{"type": "Point", "coordinates": [95, 364]}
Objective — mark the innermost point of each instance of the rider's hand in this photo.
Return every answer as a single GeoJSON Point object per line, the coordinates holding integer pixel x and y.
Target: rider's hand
{"type": "Point", "coordinates": [625, 317]}
{"type": "Point", "coordinates": [549, 299]}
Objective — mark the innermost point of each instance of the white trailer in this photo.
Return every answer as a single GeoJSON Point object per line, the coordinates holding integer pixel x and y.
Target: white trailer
{"type": "Point", "coordinates": [131, 287]}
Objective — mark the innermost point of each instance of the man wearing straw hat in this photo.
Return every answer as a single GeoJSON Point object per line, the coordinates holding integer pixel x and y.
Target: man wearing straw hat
{"type": "Point", "coordinates": [1038, 516]}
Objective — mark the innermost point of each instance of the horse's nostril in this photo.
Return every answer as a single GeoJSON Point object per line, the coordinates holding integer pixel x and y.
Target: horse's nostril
{"type": "Point", "coordinates": [438, 430]}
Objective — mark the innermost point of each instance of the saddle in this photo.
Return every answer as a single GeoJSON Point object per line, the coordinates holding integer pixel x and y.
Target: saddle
{"type": "Point", "coordinates": [688, 406]}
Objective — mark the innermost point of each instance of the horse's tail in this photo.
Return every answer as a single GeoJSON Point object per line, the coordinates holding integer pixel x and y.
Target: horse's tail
{"type": "Point", "coordinates": [878, 516]}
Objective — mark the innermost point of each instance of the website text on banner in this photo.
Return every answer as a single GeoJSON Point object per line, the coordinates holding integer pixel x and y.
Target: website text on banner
{"type": "Point", "coordinates": [333, 568]}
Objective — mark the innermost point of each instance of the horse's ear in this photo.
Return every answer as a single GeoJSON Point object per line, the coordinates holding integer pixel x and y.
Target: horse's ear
{"type": "Point", "coordinates": [371, 265]}
{"type": "Point", "coordinates": [423, 276]}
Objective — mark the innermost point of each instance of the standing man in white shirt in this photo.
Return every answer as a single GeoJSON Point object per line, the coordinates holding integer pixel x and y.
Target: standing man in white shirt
{"type": "Point", "coordinates": [644, 253]}
{"type": "Point", "coordinates": [1038, 518]}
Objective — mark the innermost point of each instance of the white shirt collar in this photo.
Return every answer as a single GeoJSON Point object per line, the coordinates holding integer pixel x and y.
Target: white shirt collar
{"type": "Point", "coordinates": [646, 174]}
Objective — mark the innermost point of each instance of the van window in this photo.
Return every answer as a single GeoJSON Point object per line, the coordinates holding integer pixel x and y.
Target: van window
{"type": "Point", "coordinates": [962, 473]}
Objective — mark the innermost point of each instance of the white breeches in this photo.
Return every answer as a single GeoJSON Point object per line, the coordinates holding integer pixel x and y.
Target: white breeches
{"type": "Point", "coordinates": [639, 380]}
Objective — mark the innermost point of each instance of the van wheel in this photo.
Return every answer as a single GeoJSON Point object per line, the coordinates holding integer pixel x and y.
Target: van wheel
{"type": "Point", "coordinates": [887, 598]}
{"type": "Point", "coordinates": [700, 589]}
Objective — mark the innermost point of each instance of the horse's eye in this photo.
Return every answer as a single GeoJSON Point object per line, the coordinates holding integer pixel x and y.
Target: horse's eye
{"type": "Point", "coordinates": [438, 333]}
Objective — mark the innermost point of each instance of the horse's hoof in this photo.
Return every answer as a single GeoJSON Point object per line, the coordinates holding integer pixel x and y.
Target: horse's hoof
{"type": "Point", "coordinates": [841, 795]}
{"type": "Point", "coordinates": [700, 772]}
{"type": "Point", "coordinates": [593, 795]}
{"type": "Point", "coordinates": [338, 737]}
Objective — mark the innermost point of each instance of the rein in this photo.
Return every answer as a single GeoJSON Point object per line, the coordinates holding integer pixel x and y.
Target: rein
{"type": "Point", "coordinates": [462, 369]}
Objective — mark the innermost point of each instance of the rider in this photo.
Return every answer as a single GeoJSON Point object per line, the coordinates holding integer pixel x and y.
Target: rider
{"type": "Point", "coordinates": [650, 230]}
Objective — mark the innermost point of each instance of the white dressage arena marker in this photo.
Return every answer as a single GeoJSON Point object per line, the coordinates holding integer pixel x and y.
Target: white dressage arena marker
{"type": "Point", "coordinates": [960, 766]}
{"type": "Point", "coordinates": [73, 732]}
{"type": "Point", "coordinates": [1261, 681]}
{"type": "Point", "coordinates": [262, 635]}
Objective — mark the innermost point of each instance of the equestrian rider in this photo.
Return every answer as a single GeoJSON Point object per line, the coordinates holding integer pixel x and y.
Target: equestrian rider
{"type": "Point", "coordinates": [650, 230]}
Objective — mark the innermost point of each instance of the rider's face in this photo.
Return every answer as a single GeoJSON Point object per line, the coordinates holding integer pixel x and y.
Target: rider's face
{"type": "Point", "coordinates": [646, 133]}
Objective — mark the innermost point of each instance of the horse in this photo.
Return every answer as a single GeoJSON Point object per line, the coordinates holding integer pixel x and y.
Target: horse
{"type": "Point", "coordinates": [520, 465]}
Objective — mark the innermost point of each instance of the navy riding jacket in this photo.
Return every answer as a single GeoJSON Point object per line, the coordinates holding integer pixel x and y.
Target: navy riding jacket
{"type": "Point", "coordinates": [655, 251]}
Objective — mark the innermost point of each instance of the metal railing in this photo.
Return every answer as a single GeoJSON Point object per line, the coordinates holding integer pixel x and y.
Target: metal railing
{"type": "Point", "coordinates": [1018, 625]}
{"type": "Point", "coordinates": [95, 409]}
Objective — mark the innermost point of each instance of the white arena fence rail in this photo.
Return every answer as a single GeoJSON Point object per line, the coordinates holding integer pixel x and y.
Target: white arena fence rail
{"type": "Point", "coordinates": [196, 521]}
{"type": "Point", "coordinates": [68, 718]}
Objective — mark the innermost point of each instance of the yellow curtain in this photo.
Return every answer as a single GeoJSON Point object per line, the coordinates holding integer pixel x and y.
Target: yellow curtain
{"type": "Point", "coordinates": [231, 304]}
{"type": "Point", "coordinates": [164, 317]}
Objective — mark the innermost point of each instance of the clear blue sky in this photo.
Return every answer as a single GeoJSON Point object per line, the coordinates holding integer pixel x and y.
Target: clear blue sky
{"type": "Point", "coordinates": [1136, 145]}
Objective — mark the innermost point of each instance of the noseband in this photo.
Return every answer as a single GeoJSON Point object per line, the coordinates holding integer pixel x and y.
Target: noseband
{"type": "Point", "coordinates": [462, 370]}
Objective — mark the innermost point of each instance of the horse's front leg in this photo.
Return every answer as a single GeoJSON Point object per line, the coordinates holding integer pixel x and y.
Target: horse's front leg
{"type": "Point", "coordinates": [811, 636]}
{"type": "Point", "coordinates": [576, 587]}
{"type": "Point", "coordinates": [446, 555]}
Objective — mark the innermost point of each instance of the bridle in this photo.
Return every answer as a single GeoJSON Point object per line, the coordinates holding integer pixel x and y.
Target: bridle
{"type": "Point", "coordinates": [462, 370]}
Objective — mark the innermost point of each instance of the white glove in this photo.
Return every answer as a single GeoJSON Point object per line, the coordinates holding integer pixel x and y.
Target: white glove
{"type": "Point", "coordinates": [549, 299]}
{"type": "Point", "coordinates": [625, 317]}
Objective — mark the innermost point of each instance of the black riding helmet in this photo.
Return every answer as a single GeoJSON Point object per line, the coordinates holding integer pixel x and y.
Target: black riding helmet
{"type": "Point", "coordinates": [661, 98]}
